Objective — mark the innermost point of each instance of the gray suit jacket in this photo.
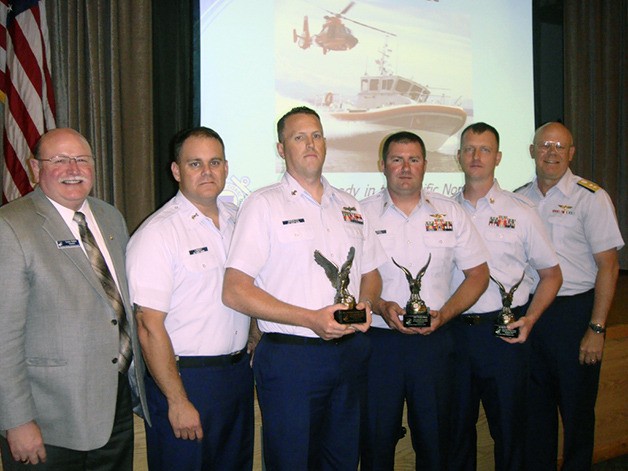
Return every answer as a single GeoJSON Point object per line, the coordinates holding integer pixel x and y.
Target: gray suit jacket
{"type": "Point", "coordinates": [57, 339]}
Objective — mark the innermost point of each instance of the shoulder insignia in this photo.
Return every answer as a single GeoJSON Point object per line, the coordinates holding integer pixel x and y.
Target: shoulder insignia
{"type": "Point", "coordinates": [592, 187]}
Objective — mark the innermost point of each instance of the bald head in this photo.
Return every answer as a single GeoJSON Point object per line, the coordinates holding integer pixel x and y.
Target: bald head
{"type": "Point", "coordinates": [553, 129]}
{"type": "Point", "coordinates": [59, 134]}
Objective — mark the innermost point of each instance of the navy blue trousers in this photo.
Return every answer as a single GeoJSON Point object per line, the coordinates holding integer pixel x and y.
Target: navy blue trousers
{"type": "Point", "coordinates": [311, 398]}
{"type": "Point", "coordinates": [558, 382]}
{"type": "Point", "coordinates": [415, 369]}
{"type": "Point", "coordinates": [223, 396]}
{"type": "Point", "coordinates": [494, 372]}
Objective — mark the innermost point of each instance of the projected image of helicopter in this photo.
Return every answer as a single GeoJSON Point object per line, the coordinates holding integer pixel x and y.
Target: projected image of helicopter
{"type": "Point", "coordinates": [334, 35]}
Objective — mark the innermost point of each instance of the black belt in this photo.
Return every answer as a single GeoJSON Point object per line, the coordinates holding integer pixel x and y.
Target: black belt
{"type": "Point", "coordinates": [485, 317]}
{"type": "Point", "coordinates": [286, 339]}
{"type": "Point", "coordinates": [564, 298]}
{"type": "Point", "coordinates": [203, 361]}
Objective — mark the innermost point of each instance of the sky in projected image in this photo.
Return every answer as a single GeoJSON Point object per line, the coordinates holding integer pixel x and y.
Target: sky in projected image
{"type": "Point", "coordinates": [402, 41]}
{"type": "Point", "coordinates": [426, 66]}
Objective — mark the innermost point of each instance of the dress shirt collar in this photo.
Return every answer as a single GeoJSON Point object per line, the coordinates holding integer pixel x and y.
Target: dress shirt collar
{"type": "Point", "coordinates": [389, 205]}
{"type": "Point", "coordinates": [68, 214]}
{"type": "Point", "coordinates": [296, 190]}
{"type": "Point", "coordinates": [193, 214]}
{"type": "Point", "coordinates": [493, 195]}
{"type": "Point", "coordinates": [564, 185]}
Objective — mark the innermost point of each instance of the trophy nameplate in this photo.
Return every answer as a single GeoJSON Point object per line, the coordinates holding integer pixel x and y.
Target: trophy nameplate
{"type": "Point", "coordinates": [340, 281]}
{"type": "Point", "coordinates": [417, 313]}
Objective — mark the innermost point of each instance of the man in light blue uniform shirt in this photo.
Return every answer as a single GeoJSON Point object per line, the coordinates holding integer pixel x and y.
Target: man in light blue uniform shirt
{"type": "Point", "coordinates": [493, 369]}
{"type": "Point", "coordinates": [568, 341]}
{"type": "Point", "coordinates": [200, 387]}
{"type": "Point", "coordinates": [412, 364]}
{"type": "Point", "coordinates": [310, 371]}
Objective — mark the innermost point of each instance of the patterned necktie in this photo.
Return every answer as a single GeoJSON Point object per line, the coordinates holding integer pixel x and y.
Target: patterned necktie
{"type": "Point", "coordinates": [104, 276]}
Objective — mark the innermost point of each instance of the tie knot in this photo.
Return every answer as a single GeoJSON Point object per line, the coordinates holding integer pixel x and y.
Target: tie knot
{"type": "Point", "coordinates": [79, 218]}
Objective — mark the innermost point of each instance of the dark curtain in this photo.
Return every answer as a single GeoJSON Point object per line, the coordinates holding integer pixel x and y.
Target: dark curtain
{"type": "Point", "coordinates": [175, 84]}
{"type": "Point", "coordinates": [101, 68]}
{"type": "Point", "coordinates": [596, 96]}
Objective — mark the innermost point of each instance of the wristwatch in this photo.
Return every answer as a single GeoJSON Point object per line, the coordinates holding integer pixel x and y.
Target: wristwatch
{"type": "Point", "coordinates": [597, 328]}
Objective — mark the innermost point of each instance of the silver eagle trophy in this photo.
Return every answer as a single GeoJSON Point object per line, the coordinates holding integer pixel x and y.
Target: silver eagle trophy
{"type": "Point", "coordinates": [506, 316]}
{"type": "Point", "coordinates": [417, 313]}
{"type": "Point", "coordinates": [340, 281]}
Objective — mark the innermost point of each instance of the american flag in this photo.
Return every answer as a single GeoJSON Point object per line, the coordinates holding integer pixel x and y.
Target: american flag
{"type": "Point", "coordinates": [25, 89]}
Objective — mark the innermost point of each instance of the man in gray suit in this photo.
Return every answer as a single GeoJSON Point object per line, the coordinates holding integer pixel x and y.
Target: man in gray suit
{"type": "Point", "coordinates": [66, 328]}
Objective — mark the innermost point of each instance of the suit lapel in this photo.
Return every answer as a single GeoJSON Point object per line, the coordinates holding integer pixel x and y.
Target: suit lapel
{"type": "Point", "coordinates": [54, 225]}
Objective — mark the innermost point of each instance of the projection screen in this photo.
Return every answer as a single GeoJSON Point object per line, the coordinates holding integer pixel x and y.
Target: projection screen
{"type": "Point", "coordinates": [369, 68]}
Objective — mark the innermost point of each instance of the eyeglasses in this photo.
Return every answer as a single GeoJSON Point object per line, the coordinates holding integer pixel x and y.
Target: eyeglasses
{"type": "Point", "coordinates": [64, 160]}
{"type": "Point", "coordinates": [559, 147]}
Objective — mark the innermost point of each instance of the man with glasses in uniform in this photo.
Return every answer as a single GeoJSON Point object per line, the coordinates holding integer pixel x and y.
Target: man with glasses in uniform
{"type": "Point", "coordinates": [568, 341]}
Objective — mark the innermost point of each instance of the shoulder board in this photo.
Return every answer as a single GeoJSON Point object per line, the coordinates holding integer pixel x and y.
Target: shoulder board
{"type": "Point", "coordinates": [592, 187]}
{"type": "Point", "coordinates": [522, 187]}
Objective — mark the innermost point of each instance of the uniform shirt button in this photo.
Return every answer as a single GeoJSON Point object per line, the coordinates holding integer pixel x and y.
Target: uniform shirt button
{"type": "Point", "coordinates": [114, 360]}
{"type": "Point", "coordinates": [114, 322]}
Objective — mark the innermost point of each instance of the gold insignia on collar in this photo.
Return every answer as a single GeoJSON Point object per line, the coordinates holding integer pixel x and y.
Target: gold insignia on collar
{"type": "Point", "coordinates": [491, 200]}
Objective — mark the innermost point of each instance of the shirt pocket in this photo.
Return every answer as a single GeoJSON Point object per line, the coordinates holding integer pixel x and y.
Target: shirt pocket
{"type": "Point", "coordinates": [441, 244]}
{"type": "Point", "coordinates": [562, 225]}
{"type": "Point", "coordinates": [354, 233]}
{"type": "Point", "coordinates": [496, 236]}
{"type": "Point", "coordinates": [294, 233]}
{"type": "Point", "coordinates": [439, 239]}
{"type": "Point", "coordinates": [200, 261]}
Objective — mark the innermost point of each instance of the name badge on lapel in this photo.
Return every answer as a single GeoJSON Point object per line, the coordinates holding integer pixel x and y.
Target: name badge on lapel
{"type": "Point", "coordinates": [66, 244]}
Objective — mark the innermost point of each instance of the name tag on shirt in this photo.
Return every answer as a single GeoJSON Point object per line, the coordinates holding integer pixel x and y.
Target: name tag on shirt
{"type": "Point", "coordinates": [380, 231]}
{"type": "Point", "coordinates": [66, 244]}
{"type": "Point", "coordinates": [197, 251]}
{"type": "Point", "coordinates": [293, 221]}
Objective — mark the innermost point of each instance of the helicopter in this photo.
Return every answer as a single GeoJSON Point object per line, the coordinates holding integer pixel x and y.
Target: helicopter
{"type": "Point", "coordinates": [334, 35]}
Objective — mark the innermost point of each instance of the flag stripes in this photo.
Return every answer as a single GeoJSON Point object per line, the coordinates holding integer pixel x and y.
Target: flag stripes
{"type": "Point", "coordinates": [25, 88]}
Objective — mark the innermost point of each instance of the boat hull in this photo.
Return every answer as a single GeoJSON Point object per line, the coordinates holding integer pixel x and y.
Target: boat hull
{"type": "Point", "coordinates": [434, 123]}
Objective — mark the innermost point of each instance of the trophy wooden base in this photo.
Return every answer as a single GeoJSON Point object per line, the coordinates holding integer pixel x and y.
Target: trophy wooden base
{"type": "Point", "coordinates": [350, 316]}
